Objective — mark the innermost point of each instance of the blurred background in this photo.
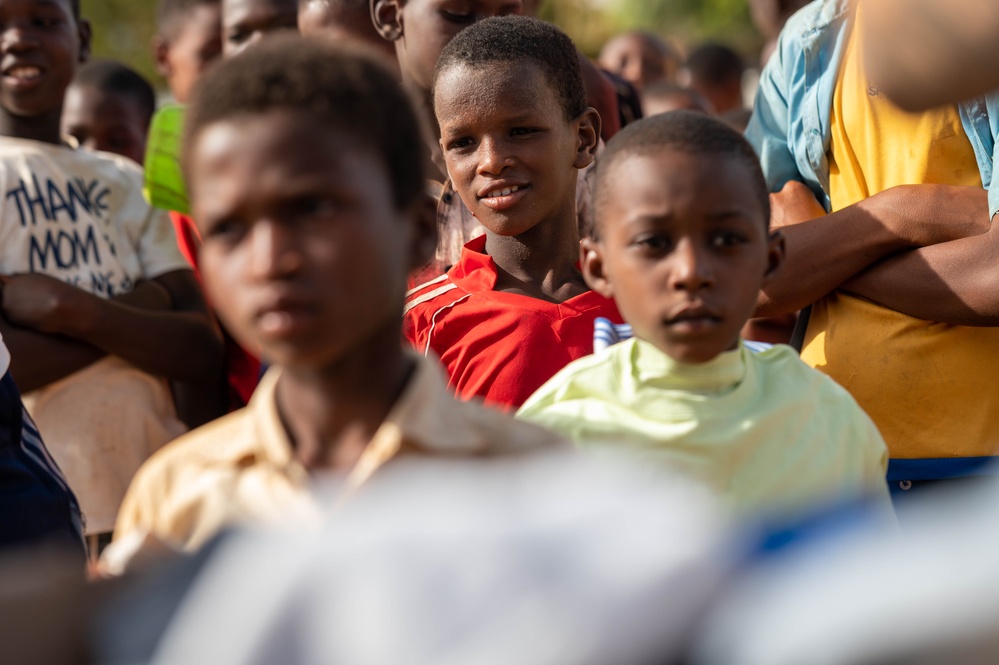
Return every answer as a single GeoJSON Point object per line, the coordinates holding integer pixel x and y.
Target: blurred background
{"type": "Point", "coordinates": [123, 28]}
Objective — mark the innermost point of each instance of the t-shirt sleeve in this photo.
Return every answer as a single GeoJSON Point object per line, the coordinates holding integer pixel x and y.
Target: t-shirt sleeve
{"type": "Point", "coordinates": [157, 247]}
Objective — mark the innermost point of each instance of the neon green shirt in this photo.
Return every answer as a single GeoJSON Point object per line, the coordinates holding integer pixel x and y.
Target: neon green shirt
{"type": "Point", "coordinates": [765, 431]}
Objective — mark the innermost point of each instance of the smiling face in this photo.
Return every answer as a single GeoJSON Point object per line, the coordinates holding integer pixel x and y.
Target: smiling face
{"type": "Point", "coordinates": [41, 44]}
{"type": "Point", "coordinates": [105, 120]}
{"type": "Point", "coordinates": [422, 28]}
{"type": "Point", "coordinates": [305, 255]}
{"type": "Point", "coordinates": [510, 153]}
{"type": "Point", "coordinates": [683, 249]}
{"type": "Point", "coordinates": [246, 22]}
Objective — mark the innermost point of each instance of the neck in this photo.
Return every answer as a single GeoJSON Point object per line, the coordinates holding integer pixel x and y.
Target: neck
{"type": "Point", "coordinates": [542, 261]}
{"type": "Point", "coordinates": [43, 128]}
{"type": "Point", "coordinates": [331, 413]}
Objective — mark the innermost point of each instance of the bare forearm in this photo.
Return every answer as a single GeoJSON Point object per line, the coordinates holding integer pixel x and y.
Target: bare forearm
{"type": "Point", "coordinates": [822, 254]}
{"type": "Point", "coordinates": [179, 346]}
{"type": "Point", "coordinates": [955, 282]}
{"type": "Point", "coordinates": [38, 359]}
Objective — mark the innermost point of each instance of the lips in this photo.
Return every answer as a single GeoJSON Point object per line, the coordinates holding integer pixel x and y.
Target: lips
{"type": "Point", "coordinates": [502, 195]}
{"type": "Point", "coordinates": [694, 319]}
{"type": "Point", "coordinates": [284, 316]}
{"type": "Point", "coordinates": [22, 75]}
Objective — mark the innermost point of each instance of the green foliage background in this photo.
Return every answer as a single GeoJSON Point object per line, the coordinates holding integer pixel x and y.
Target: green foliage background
{"type": "Point", "coordinates": [123, 28]}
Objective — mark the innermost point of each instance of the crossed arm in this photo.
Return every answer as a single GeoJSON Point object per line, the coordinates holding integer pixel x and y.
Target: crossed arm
{"type": "Point", "coordinates": [925, 250]}
{"type": "Point", "coordinates": [163, 327]}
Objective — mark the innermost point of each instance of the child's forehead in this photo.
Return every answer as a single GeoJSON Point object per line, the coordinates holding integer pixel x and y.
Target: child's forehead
{"type": "Point", "coordinates": [523, 78]}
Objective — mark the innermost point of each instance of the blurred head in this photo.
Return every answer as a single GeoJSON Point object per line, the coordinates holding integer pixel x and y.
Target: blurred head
{"type": "Point", "coordinates": [640, 58]}
{"type": "Point", "coordinates": [515, 127]}
{"type": "Point", "coordinates": [108, 107]}
{"type": "Point", "coordinates": [421, 29]}
{"type": "Point", "coordinates": [304, 167]}
{"type": "Point", "coordinates": [681, 238]}
{"type": "Point", "coordinates": [665, 97]}
{"type": "Point", "coordinates": [188, 39]}
{"type": "Point", "coordinates": [715, 71]}
{"type": "Point", "coordinates": [339, 20]}
{"type": "Point", "coordinates": [246, 22]}
{"type": "Point", "coordinates": [42, 42]}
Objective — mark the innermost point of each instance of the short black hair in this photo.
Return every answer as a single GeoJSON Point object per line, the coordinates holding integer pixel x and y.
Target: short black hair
{"type": "Point", "coordinates": [714, 64]}
{"type": "Point", "coordinates": [171, 14]}
{"type": "Point", "coordinates": [344, 87]}
{"type": "Point", "coordinates": [116, 77]}
{"type": "Point", "coordinates": [683, 131]}
{"type": "Point", "coordinates": [521, 39]}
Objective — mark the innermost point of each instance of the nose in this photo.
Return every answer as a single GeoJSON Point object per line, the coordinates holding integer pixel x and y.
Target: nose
{"type": "Point", "coordinates": [16, 37]}
{"type": "Point", "coordinates": [692, 268]}
{"type": "Point", "coordinates": [493, 158]}
{"type": "Point", "coordinates": [274, 251]}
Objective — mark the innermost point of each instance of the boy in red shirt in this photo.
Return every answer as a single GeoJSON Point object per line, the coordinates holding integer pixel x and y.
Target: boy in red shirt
{"type": "Point", "coordinates": [515, 129]}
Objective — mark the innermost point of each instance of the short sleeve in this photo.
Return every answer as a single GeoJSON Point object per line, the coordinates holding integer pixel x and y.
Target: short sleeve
{"type": "Point", "coordinates": [157, 245]}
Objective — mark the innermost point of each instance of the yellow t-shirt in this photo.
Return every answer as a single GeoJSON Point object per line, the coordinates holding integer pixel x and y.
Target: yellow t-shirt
{"type": "Point", "coordinates": [763, 431]}
{"type": "Point", "coordinates": [926, 385]}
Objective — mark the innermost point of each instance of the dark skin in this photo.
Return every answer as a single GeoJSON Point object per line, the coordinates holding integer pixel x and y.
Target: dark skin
{"type": "Point", "coordinates": [509, 131]}
{"type": "Point", "coordinates": [278, 198]}
{"type": "Point", "coordinates": [54, 329]}
{"type": "Point", "coordinates": [909, 248]}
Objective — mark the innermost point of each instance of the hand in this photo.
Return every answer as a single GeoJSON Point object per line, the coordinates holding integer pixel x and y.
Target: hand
{"type": "Point", "coordinates": [40, 302]}
{"type": "Point", "coordinates": [793, 204]}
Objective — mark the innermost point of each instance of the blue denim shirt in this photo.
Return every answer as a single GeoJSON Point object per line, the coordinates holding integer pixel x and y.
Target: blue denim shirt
{"type": "Point", "coordinates": [790, 126]}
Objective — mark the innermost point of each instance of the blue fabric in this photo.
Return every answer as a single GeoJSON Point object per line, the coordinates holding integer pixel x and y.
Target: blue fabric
{"type": "Point", "coordinates": [36, 503]}
{"type": "Point", "coordinates": [607, 334]}
{"type": "Point", "coordinates": [940, 468]}
{"type": "Point", "coordinates": [790, 126]}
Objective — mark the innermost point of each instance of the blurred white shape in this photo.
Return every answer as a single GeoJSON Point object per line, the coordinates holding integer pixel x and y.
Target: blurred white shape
{"type": "Point", "coordinates": [927, 595]}
{"type": "Point", "coordinates": [548, 559]}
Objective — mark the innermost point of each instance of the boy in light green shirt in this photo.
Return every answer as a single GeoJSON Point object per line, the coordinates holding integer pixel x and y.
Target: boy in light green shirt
{"type": "Point", "coordinates": [681, 243]}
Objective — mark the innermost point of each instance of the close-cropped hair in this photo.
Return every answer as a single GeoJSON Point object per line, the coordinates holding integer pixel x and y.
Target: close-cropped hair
{"type": "Point", "coordinates": [714, 64]}
{"type": "Point", "coordinates": [510, 39]}
{"type": "Point", "coordinates": [171, 14]}
{"type": "Point", "coordinates": [116, 77]}
{"type": "Point", "coordinates": [343, 87]}
{"type": "Point", "coordinates": [687, 132]}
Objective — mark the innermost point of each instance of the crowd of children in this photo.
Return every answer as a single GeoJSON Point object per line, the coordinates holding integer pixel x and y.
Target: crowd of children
{"type": "Point", "coordinates": [435, 229]}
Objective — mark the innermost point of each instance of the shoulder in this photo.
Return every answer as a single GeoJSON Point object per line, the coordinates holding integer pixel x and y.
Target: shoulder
{"type": "Point", "coordinates": [219, 445]}
{"type": "Point", "coordinates": [436, 292]}
{"type": "Point", "coordinates": [591, 378]}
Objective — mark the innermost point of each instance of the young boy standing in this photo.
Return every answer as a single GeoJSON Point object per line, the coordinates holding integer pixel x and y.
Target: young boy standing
{"type": "Point", "coordinates": [88, 270]}
{"type": "Point", "coordinates": [515, 130]}
{"type": "Point", "coordinates": [681, 244]}
{"type": "Point", "coordinates": [309, 196]}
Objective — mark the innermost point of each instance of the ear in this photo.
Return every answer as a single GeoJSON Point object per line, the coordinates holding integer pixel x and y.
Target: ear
{"type": "Point", "coordinates": [591, 261]}
{"type": "Point", "coordinates": [85, 34]}
{"type": "Point", "coordinates": [776, 254]}
{"type": "Point", "coordinates": [588, 129]}
{"type": "Point", "coordinates": [424, 240]}
{"type": "Point", "coordinates": [161, 56]}
{"type": "Point", "coordinates": [387, 17]}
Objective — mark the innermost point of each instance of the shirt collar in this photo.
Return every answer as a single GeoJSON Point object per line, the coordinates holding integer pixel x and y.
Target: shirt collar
{"type": "Point", "coordinates": [426, 417]}
{"type": "Point", "coordinates": [476, 271]}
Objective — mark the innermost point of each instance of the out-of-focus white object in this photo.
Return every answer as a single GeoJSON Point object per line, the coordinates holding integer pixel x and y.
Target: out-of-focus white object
{"type": "Point", "coordinates": [547, 559]}
{"type": "Point", "coordinates": [929, 594]}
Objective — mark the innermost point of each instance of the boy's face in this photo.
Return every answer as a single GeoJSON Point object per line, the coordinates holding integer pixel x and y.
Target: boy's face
{"type": "Point", "coordinates": [683, 250]}
{"type": "Point", "coordinates": [636, 60]}
{"type": "Point", "coordinates": [103, 120]}
{"type": "Point", "coordinates": [245, 22]}
{"type": "Point", "coordinates": [196, 44]}
{"type": "Point", "coordinates": [422, 28]}
{"type": "Point", "coordinates": [41, 44]}
{"type": "Point", "coordinates": [305, 255]}
{"type": "Point", "coordinates": [510, 153]}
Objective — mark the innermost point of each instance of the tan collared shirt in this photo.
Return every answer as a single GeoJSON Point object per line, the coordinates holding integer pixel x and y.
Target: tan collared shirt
{"type": "Point", "coordinates": [241, 468]}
